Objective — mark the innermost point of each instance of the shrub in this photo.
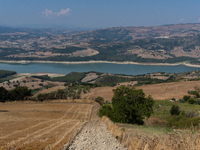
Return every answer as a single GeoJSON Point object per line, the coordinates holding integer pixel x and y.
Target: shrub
{"type": "Point", "coordinates": [194, 93]}
{"type": "Point", "coordinates": [41, 97]}
{"type": "Point", "coordinates": [46, 96]}
{"type": "Point", "coordinates": [198, 101]}
{"type": "Point", "coordinates": [192, 101]}
{"type": "Point", "coordinates": [123, 129]}
{"type": "Point", "coordinates": [175, 110]}
{"type": "Point", "coordinates": [182, 122]}
{"type": "Point", "coordinates": [43, 77]}
{"type": "Point", "coordinates": [40, 84]}
{"type": "Point", "coordinates": [99, 100]}
{"type": "Point", "coordinates": [4, 95]}
{"type": "Point", "coordinates": [173, 99]}
{"type": "Point", "coordinates": [183, 113]}
{"type": "Point", "coordinates": [106, 110]}
{"type": "Point", "coordinates": [186, 97]}
{"type": "Point", "coordinates": [19, 93]}
{"type": "Point", "coordinates": [181, 100]}
{"type": "Point", "coordinates": [61, 94]}
{"type": "Point", "coordinates": [190, 114]}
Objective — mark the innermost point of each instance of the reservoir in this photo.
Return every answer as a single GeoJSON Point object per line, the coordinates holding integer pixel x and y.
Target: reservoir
{"type": "Point", "coordinates": [128, 69]}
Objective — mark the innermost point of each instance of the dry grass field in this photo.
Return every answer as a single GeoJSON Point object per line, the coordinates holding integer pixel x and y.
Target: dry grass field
{"type": "Point", "coordinates": [137, 137]}
{"type": "Point", "coordinates": [78, 53]}
{"type": "Point", "coordinates": [30, 82]}
{"type": "Point", "coordinates": [162, 91]}
{"type": "Point", "coordinates": [40, 125]}
{"type": "Point", "coordinates": [166, 91]}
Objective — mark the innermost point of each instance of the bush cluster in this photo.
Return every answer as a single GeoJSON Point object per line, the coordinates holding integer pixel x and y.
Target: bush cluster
{"type": "Point", "coordinates": [18, 93]}
{"type": "Point", "coordinates": [6, 73]}
{"type": "Point", "coordinates": [182, 119]}
{"type": "Point", "coordinates": [195, 93]}
{"type": "Point", "coordinates": [191, 99]}
{"type": "Point", "coordinates": [99, 100]}
{"type": "Point", "coordinates": [175, 110]}
{"type": "Point", "coordinates": [74, 92]}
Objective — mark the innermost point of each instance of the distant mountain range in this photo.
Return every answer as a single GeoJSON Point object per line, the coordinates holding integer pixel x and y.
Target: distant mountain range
{"type": "Point", "coordinates": [131, 33]}
{"type": "Point", "coordinates": [167, 43]}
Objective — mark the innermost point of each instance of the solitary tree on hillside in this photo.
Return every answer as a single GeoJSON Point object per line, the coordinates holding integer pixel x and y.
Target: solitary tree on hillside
{"type": "Point", "coordinates": [131, 105]}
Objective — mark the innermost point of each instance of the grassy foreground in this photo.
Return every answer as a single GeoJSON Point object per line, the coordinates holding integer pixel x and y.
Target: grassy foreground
{"type": "Point", "coordinates": [161, 130]}
{"type": "Point", "coordinates": [189, 115]}
{"type": "Point", "coordinates": [154, 138]}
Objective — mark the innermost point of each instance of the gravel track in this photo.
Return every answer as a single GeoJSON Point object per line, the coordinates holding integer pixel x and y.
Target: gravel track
{"type": "Point", "coordinates": [95, 136]}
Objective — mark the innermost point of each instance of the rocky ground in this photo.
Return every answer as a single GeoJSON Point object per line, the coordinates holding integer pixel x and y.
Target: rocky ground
{"type": "Point", "coordinates": [95, 136]}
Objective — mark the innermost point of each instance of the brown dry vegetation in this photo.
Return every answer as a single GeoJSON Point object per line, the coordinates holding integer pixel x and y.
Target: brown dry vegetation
{"type": "Point", "coordinates": [30, 82]}
{"type": "Point", "coordinates": [40, 125]}
{"type": "Point", "coordinates": [89, 77]}
{"type": "Point", "coordinates": [49, 90]}
{"type": "Point", "coordinates": [165, 91]}
{"type": "Point", "coordinates": [81, 53]}
{"type": "Point", "coordinates": [179, 52]}
{"type": "Point", "coordinates": [162, 91]}
{"type": "Point", "coordinates": [134, 139]}
{"type": "Point", "coordinates": [144, 53]}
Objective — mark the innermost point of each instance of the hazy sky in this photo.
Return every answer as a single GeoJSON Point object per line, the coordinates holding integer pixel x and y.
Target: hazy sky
{"type": "Point", "coordinates": [97, 13]}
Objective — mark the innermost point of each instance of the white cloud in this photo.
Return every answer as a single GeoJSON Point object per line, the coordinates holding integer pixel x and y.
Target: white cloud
{"type": "Point", "coordinates": [181, 19]}
{"type": "Point", "coordinates": [49, 13]}
{"type": "Point", "coordinates": [64, 12]}
{"type": "Point", "coordinates": [199, 19]}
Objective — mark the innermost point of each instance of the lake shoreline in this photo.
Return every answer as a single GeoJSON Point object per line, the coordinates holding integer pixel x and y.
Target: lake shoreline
{"type": "Point", "coordinates": [90, 62]}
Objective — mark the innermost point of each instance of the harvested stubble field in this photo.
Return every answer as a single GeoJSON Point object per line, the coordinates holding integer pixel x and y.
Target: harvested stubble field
{"type": "Point", "coordinates": [40, 125]}
{"type": "Point", "coordinates": [161, 91]}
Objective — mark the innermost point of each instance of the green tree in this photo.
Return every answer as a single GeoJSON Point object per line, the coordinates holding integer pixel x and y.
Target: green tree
{"type": "Point", "coordinates": [194, 93]}
{"type": "Point", "coordinates": [60, 94]}
{"type": "Point", "coordinates": [4, 94]}
{"type": "Point", "coordinates": [19, 93]}
{"type": "Point", "coordinates": [99, 100]}
{"type": "Point", "coordinates": [130, 105]}
{"type": "Point", "coordinates": [106, 110]}
{"type": "Point", "coordinates": [175, 110]}
{"type": "Point", "coordinates": [41, 97]}
{"type": "Point", "coordinates": [186, 97]}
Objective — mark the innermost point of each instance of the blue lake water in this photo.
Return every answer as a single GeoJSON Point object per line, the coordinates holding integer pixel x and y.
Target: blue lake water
{"type": "Point", "coordinates": [128, 69]}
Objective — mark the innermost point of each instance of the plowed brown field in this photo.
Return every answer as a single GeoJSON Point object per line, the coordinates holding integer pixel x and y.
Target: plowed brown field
{"type": "Point", "coordinates": [40, 125]}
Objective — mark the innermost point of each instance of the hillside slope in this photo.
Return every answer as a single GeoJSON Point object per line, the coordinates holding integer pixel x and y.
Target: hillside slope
{"type": "Point", "coordinates": [167, 43]}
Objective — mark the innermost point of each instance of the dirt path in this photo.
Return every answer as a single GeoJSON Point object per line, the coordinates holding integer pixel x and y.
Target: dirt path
{"type": "Point", "coordinates": [95, 135]}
